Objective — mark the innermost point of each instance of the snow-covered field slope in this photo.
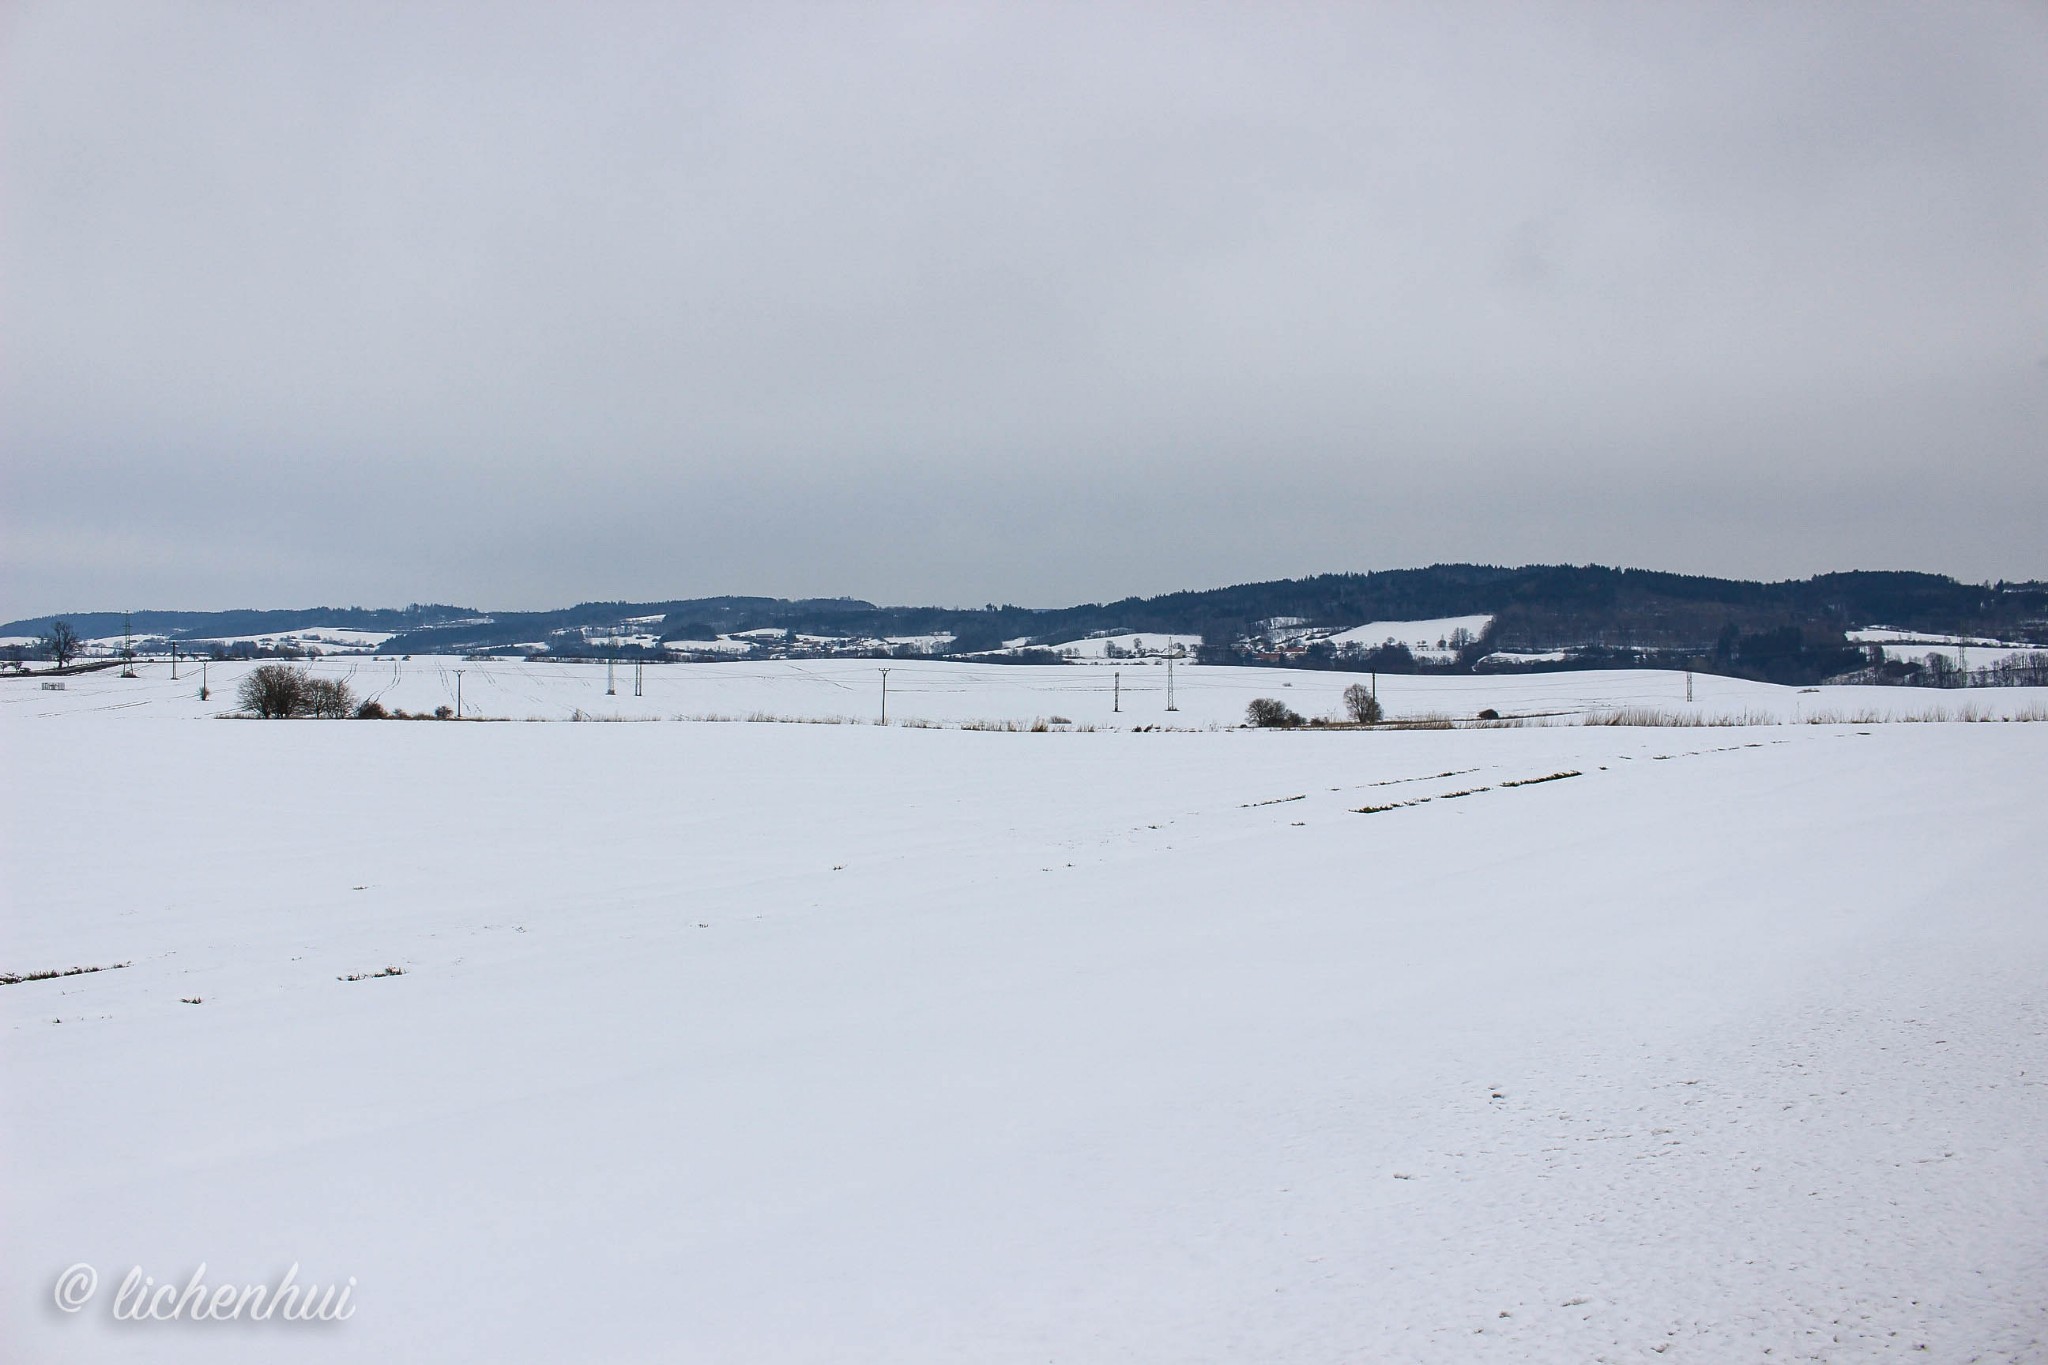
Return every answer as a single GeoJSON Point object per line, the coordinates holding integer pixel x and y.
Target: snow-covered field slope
{"type": "Point", "coordinates": [1882, 635]}
{"type": "Point", "coordinates": [1096, 648]}
{"type": "Point", "coordinates": [1911, 647]}
{"type": "Point", "coordinates": [1131, 695]}
{"type": "Point", "coordinates": [1423, 638]}
{"type": "Point", "coordinates": [1976, 656]}
{"type": "Point", "coordinates": [317, 635]}
{"type": "Point", "coordinates": [766, 1043]}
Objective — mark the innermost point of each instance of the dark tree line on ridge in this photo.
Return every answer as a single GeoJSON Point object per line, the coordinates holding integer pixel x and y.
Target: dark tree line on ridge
{"type": "Point", "coordinates": [1790, 631]}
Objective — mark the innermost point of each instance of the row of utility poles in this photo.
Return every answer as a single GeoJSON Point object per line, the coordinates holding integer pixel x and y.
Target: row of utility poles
{"type": "Point", "coordinates": [1116, 690]}
{"type": "Point", "coordinates": [611, 686]}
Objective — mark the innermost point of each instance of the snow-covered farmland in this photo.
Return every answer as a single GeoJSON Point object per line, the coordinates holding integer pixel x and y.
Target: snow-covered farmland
{"type": "Point", "coordinates": [944, 693]}
{"type": "Point", "coordinates": [820, 1043]}
{"type": "Point", "coordinates": [1975, 651]}
{"type": "Point", "coordinates": [1126, 647]}
{"type": "Point", "coordinates": [1975, 656]}
{"type": "Point", "coordinates": [1885, 635]}
{"type": "Point", "coordinates": [317, 637]}
{"type": "Point", "coordinates": [1431, 639]}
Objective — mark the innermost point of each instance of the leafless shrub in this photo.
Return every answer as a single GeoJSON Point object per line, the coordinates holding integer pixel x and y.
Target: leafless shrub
{"type": "Point", "coordinates": [273, 691]}
{"type": "Point", "coordinates": [327, 699]}
{"type": "Point", "coordinates": [1267, 713]}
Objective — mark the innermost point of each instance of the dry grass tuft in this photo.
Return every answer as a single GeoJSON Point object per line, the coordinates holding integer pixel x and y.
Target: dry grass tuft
{"type": "Point", "coordinates": [1651, 716]}
{"type": "Point", "coordinates": [16, 978]}
{"type": "Point", "coordinates": [1427, 720]}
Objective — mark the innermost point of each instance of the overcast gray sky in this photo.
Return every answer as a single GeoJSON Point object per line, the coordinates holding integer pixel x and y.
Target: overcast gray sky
{"type": "Point", "coordinates": [516, 305]}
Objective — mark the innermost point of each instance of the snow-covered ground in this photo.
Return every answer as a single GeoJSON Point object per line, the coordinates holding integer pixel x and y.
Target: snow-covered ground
{"type": "Point", "coordinates": [963, 693]}
{"type": "Point", "coordinates": [1976, 656]}
{"type": "Point", "coordinates": [1522, 658]}
{"type": "Point", "coordinates": [604, 639]}
{"type": "Point", "coordinates": [1128, 647]}
{"type": "Point", "coordinates": [316, 637]}
{"type": "Point", "coordinates": [1907, 646]}
{"type": "Point", "coordinates": [1424, 639]}
{"type": "Point", "coordinates": [1097, 649]}
{"type": "Point", "coordinates": [819, 1043]}
{"type": "Point", "coordinates": [334, 636]}
{"type": "Point", "coordinates": [1885, 635]}
{"type": "Point", "coordinates": [720, 645]}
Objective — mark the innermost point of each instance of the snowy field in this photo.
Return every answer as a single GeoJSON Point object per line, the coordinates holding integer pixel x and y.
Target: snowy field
{"type": "Point", "coordinates": [1130, 695]}
{"type": "Point", "coordinates": [1425, 639]}
{"type": "Point", "coordinates": [842, 1043]}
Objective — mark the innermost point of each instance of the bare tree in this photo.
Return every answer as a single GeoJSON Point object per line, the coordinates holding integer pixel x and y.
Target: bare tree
{"type": "Point", "coordinates": [273, 691]}
{"type": "Point", "coordinates": [328, 699]}
{"type": "Point", "coordinates": [1362, 706]}
{"type": "Point", "coordinates": [60, 642]}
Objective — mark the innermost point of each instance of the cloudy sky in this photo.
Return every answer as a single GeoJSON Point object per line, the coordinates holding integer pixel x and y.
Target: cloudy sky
{"type": "Point", "coordinates": [519, 305]}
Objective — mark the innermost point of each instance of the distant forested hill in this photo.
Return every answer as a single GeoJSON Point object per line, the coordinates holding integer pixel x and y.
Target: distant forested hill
{"type": "Point", "coordinates": [1790, 630]}
{"type": "Point", "coordinates": [214, 625]}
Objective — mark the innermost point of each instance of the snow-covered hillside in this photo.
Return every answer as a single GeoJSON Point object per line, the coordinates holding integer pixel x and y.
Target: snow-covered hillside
{"type": "Point", "coordinates": [1435, 639]}
{"type": "Point", "coordinates": [839, 1043]}
{"type": "Point", "coordinates": [1884, 635]}
{"type": "Point", "coordinates": [1127, 647]}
